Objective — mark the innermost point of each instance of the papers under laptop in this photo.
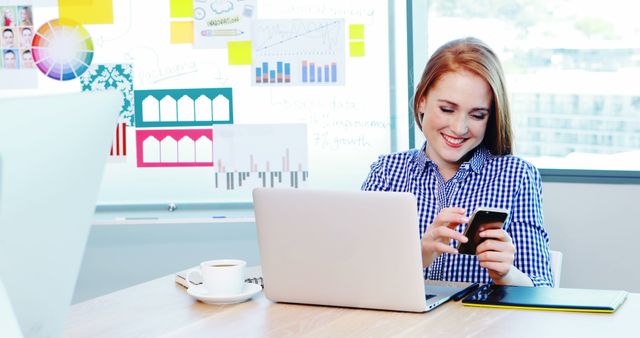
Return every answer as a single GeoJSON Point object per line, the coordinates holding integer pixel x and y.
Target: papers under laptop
{"type": "Point", "coordinates": [352, 249]}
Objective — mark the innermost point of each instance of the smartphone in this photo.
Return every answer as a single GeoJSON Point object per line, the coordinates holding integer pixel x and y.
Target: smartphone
{"type": "Point", "coordinates": [482, 219]}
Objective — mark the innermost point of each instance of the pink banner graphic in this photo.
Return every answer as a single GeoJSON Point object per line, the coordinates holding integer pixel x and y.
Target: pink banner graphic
{"type": "Point", "coordinates": [174, 147]}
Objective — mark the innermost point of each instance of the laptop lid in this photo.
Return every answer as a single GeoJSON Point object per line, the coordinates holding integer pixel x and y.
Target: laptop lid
{"type": "Point", "coordinates": [342, 248]}
{"type": "Point", "coordinates": [52, 154]}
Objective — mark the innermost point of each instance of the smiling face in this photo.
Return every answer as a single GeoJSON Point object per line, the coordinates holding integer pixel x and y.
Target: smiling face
{"type": "Point", "coordinates": [456, 111]}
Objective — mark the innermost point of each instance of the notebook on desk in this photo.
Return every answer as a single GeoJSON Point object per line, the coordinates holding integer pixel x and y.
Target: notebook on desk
{"type": "Point", "coordinates": [552, 299]}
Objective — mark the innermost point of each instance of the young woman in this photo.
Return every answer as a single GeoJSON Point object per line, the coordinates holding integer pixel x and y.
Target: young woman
{"type": "Point", "coordinates": [462, 108]}
{"type": "Point", "coordinates": [26, 16]}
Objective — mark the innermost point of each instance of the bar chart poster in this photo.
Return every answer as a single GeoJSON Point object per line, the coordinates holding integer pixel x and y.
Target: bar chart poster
{"type": "Point", "coordinates": [298, 52]}
{"type": "Point", "coordinates": [247, 156]}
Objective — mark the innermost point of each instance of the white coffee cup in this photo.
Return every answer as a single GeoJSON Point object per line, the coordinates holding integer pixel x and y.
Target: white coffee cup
{"type": "Point", "coordinates": [221, 277]}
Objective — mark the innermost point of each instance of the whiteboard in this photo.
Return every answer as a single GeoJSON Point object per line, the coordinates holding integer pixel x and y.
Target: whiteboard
{"type": "Point", "coordinates": [346, 124]}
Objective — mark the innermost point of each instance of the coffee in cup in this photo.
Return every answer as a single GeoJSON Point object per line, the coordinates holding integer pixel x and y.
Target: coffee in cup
{"type": "Point", "coordinates": [220, 277]}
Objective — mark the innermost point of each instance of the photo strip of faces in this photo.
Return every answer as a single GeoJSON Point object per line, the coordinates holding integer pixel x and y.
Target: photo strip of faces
{"type": "Point", "coordinates": [16, 25]}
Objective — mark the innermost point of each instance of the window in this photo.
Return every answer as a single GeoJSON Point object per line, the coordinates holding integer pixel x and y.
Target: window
{"type": "Point", "coordinates": [573, 74]}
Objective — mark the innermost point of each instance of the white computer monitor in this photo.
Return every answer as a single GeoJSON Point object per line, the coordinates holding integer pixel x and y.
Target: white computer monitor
{"type": "Point", "coordinates": [52, 154]}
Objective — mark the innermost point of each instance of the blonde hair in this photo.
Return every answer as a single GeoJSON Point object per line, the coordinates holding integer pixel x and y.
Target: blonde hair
{"type": "Point", "coordinates": [472, 55]}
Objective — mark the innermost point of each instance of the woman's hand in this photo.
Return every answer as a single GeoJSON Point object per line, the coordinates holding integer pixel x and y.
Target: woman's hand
{"type": "Point", "coordinates": [436, 238]}
{"type": "Point", "coordinates": [496, 254]}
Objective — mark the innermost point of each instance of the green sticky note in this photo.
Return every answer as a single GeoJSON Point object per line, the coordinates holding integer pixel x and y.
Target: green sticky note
{"type": "Point", "coordinates": [356, 48]}
{"type": "Point", "coordinates": [181, 8]}
{"type": "Point", "coordinates": [356, 32]}
{"type": "Point", "coordinates": [239, 52]}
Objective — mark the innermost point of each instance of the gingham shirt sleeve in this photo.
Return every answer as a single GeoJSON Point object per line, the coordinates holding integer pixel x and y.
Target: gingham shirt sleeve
{"type": "Point", "coordinates": [527, 229]}
{"type": "Point", "coordinates": [377, 180]}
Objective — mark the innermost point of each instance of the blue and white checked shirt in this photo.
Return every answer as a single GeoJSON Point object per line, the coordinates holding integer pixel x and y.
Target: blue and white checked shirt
{"type": "Point", "coordinates": [484, 181]}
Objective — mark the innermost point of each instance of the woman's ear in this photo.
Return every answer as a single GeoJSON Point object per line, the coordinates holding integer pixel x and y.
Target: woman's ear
{"type": "Point", "coordinates": [421, 107]}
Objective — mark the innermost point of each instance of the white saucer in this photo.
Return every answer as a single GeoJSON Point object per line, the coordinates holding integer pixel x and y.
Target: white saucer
{"type": "Point", "coordinates": [200, 293]}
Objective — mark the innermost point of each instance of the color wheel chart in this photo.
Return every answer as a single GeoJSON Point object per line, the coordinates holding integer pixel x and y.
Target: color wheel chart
{"type": "Point", "coordinates": [62, 49]}
{"type": "Point", "coordinates": [298, 52]}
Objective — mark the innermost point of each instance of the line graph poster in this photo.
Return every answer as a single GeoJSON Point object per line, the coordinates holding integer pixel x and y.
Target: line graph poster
{"type": "Point", "coordinates": [247, 156]}
{"type": "Point", "coordinates": [298, 52]}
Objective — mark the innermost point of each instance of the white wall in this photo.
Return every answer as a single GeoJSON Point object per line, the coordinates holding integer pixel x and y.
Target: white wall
{"type": "Point", "coordinates": [119, 256]}
{"type": "Point", "coordinates": [596, 226]}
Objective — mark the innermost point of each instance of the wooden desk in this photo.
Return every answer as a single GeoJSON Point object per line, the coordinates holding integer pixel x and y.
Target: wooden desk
{"type": "Point", "coordinates": [161, 308]}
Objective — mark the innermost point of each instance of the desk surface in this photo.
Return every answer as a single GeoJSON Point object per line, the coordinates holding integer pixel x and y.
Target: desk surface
{"type": "Point", "coordinates": [163, 308]}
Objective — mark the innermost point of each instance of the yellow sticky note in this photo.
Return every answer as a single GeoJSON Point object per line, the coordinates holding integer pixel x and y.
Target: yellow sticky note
{"type": "Point", "coordinates": [181, 32]}
{"type": "Point", "coordinates": [356, 32]}
{"type": "Point", "coordinates": [181, 8]}
{"type": "Point", "coordinates": [239, 52]}
{"type": "Point", "coordinates": [87, 11]}
{"type": "Point", "coordinates": [356, 48]}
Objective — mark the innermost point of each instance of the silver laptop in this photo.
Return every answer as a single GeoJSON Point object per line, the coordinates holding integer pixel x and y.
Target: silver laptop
{"type": "Point", "coordinates": [343, 248]}
{"type": "Point", "coordinates": [52, 155]}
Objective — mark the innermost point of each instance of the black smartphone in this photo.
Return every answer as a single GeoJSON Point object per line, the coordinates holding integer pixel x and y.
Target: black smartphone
{"type": "Point", "coordinates": [482, 219]}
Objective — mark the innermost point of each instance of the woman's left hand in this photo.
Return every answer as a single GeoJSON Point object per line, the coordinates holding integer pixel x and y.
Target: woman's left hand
{"type": "Point", "coordinates": [496, 254]}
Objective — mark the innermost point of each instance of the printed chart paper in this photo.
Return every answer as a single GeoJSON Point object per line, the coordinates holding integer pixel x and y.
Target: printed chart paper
{"type": "Point", "coordinates": [217, 22]}
{"type": "Point", "coordinates": [298, 52]}
{"type": "Point", "coordinates": [259, 155]}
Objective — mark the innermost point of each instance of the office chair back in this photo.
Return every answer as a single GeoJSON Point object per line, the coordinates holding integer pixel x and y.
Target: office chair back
{"type": "Point", "coordinates": [556, 267]}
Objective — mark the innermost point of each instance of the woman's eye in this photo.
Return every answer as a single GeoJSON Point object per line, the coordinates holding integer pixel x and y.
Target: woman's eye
{"type": "Point", "coordinates": [446, 109]}
{"type": "Point", "coordinates": [479, 116]}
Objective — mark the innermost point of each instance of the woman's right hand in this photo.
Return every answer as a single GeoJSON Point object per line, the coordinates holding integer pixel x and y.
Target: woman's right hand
{"type": "Point", "coordinates": [436, 238]}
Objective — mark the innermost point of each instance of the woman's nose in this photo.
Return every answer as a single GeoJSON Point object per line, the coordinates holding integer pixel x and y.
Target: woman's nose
{"type": "Point", "coordinates": [459, 125]}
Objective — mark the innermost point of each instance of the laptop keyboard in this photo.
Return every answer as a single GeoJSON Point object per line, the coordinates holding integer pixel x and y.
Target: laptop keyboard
{"type": "Point", "coordinates": [430, 282]}
{"type": "Point", "coordinates": [446, 283]}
